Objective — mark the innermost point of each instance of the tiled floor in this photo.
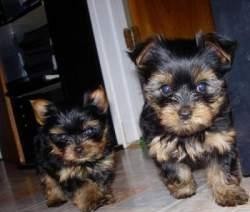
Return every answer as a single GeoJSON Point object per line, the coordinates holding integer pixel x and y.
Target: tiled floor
{"type": "Point", "coordinates": [137, 188]}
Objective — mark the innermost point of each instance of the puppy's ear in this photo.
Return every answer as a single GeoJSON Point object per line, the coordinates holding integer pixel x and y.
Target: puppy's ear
{"type": "Point", "coordinates": [147, 54]}
{"type": "Point", "coordinates": [97, 98]}
{"type": "Point", "coordinates": [41, 108]}
{"type": "Point", "coordinates": [221, 47]}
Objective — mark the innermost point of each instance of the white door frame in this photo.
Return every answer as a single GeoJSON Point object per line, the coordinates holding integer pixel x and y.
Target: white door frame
{"type": "Point", "coordinates": [121, 82]}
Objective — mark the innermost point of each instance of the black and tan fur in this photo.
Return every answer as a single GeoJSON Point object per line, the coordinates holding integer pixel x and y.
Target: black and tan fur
{"type": "Point", "coordinates": [73, 152]}
{"type": "Point", "coordinates": [186, 119]}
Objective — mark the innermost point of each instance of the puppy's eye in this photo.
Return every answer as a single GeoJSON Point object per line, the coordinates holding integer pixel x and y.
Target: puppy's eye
{"type": "Point", "coordinates": [65, 138]}
{"type": "Point", "coordinates": [165, 90]}
{"type": "Point", "coordinates": [201, 87]}
{"type": "Point", "coordinates": [61, 140]}
{"type": "Point", "coordinates": [89, 132]}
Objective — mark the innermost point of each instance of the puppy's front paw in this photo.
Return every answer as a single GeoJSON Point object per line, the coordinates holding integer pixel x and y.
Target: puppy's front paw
{"type": "Point", "coordinates": [184, 190]}
{"type": "Point", "coordinates": [55, 197]}
{"type": "Point", "coordinates": [87, 210]}
{"type": "Point", "coordinates": [231, 195]}
{"type": "Point", "coordinates": [109, 198]}
{"type": "Point", "coordinates": [55, 202]}
{"type": "Point", "coordinates": [90, 207]}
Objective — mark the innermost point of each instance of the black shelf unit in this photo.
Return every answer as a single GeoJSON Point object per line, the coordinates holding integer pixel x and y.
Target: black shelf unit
{"type": "Point", "coordinates": [37, 53]}
{"type": "Point", "coordinates": [36, 50]}
{"type": "Point", "coordinates": [21, 11]}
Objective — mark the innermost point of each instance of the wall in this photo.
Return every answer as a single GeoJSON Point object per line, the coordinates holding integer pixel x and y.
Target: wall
{"type": "Point", "coordinates": [232, 18]}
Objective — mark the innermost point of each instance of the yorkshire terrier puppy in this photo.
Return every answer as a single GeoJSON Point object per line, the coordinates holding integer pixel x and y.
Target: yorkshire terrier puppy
{"type": "Point", "coordinates": [74, 157]}
{"type": "Point", "coordinates": [186, 120]}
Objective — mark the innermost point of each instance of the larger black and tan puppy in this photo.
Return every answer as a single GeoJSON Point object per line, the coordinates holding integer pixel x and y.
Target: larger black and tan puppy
{"type": "Point", "coordinates": [186, 119]}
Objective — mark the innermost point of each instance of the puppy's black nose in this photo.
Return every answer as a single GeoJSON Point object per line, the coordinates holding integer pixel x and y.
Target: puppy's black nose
{"type": "Point", "coordinates": [185, 112]}
{"type": "Point", "coordinates": [78, 149]}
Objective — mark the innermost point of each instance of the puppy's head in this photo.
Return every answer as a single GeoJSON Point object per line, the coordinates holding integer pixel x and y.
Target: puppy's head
{"type": "Point", "coordinates": [183, 79]}
{"type": "Point", "coordinates": [76, 135]}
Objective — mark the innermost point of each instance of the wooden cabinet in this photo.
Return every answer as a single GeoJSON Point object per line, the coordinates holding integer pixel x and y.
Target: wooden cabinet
{"type": "Point", "coordinates": [172, 18]}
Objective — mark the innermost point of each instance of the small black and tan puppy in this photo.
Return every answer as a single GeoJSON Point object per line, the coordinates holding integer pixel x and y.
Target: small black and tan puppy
{"type": "Point", "coordinates": [74, 157]}
{"type": "Point", "coordinates": [186, 119]}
